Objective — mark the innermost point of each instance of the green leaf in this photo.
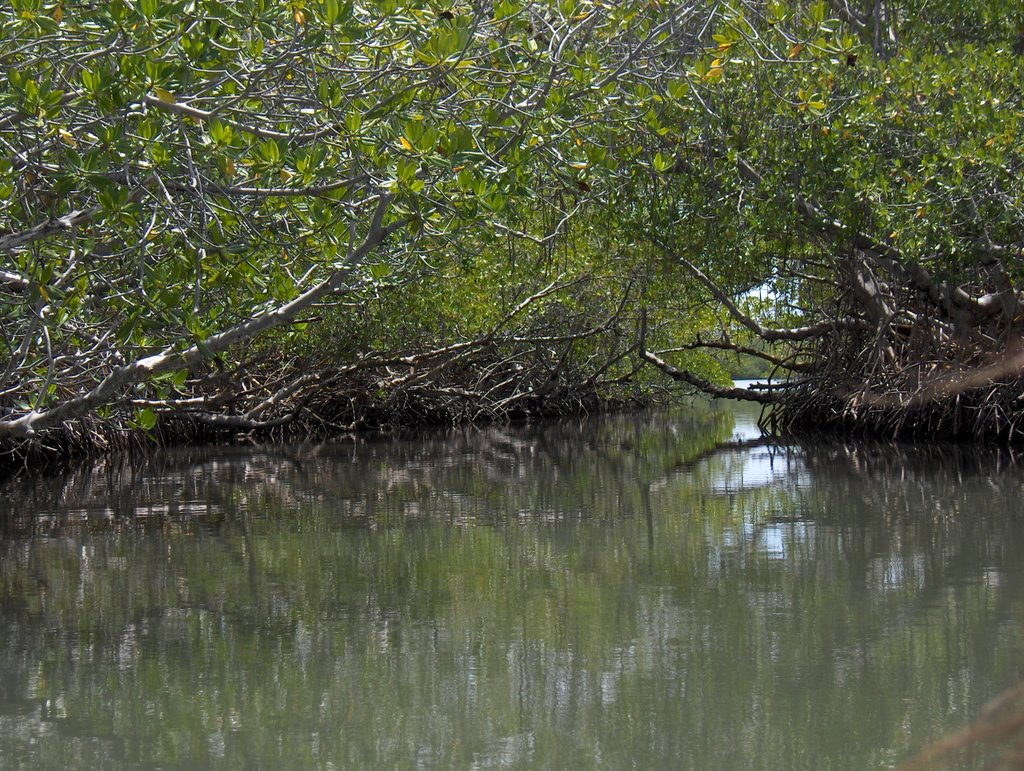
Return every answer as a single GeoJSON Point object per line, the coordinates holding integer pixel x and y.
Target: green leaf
{"type": "Point", "coordinates": [662, 163]}
{"type": "Point", "coordinates": [270, 151]}
{"type": "Point", "coordinates": [145, 419]}
{"type": "Point", "coordinates": [220, 132]}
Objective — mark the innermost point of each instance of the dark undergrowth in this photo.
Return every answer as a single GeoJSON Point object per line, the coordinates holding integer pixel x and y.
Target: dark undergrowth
{"type": "Point", "coordinates": [330, 415]}
{"type": "Point", "coordinates": [993, 413]}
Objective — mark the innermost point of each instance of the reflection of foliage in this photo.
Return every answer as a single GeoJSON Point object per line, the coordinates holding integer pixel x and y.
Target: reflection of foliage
{"type": "Point", "coordinates": [523, 596]}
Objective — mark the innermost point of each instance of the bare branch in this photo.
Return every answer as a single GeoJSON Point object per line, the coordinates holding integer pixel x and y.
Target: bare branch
{"type": "Point", "coordinates": [706, 386]}
{"type": "Point", "coordinates": [727, 345]}
{"type": "Point", "coordinates": [14, 281]}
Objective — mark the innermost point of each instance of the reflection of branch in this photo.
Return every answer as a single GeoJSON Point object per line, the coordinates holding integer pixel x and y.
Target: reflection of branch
{"type": "Point", "coordinates": [735, 445]}
{"type": "Point", "coordinates": [730, 446]}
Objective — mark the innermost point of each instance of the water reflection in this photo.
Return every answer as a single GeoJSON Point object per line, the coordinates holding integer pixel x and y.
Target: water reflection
{"type": "Point", "coordinates": [643, 590]}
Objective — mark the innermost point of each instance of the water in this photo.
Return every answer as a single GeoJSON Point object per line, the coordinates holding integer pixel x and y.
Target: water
{"type": "Point", "coordinates": [638, 591]}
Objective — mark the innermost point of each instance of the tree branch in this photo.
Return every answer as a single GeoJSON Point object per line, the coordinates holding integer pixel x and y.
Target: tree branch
{"type": "Point", "coordinates": [768, 334]}
{"type": "Point", "coordinates": [68, 222]}
{"type": "Point", "coordinates": [14, 281]}
{"type": "Point", "coordinates": [683, 376]}
{"type": "Point", "coordinates": [945, 296]}
{"type": "Point", "coordinates": [719, 392]}
{"type": "Point", "coordinates": [726, 345]}
{"type": "Point", "coordinates": [124, 376]}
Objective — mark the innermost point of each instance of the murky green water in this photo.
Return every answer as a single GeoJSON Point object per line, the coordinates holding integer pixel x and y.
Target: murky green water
{"type": "Point", "coordinates": [615, 593]}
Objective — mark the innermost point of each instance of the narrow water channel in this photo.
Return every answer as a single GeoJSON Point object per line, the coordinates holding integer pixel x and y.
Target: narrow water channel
{"type": "Point", "coordinates": [638, 591]}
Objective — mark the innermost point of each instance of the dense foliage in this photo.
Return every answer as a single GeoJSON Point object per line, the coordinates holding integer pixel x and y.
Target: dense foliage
{"type": "Point", "coordinates": [871, 179]}
{"type": "Point", "coordinates": [182, 177]}
{"type": "Point", "coordinates": [316, 215]}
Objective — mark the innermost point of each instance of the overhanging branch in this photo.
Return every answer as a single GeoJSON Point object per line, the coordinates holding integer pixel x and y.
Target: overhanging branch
{"type": "Point", "coordinates": [702, 384]}
{"type": "Point", "coordinates": [769, 334]}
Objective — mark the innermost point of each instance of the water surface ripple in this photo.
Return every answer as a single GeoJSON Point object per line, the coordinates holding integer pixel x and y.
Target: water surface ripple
{"type": "Point", "coordinates": [639, 591]}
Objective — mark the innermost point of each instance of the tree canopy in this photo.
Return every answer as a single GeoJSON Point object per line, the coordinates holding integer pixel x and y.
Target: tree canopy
{"type": "Point", "coordinates": [219, 211]}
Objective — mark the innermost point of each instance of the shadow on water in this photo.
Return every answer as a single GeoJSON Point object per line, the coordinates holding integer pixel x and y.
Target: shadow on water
{"type": "Point", "coordinates": [648, 589]}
